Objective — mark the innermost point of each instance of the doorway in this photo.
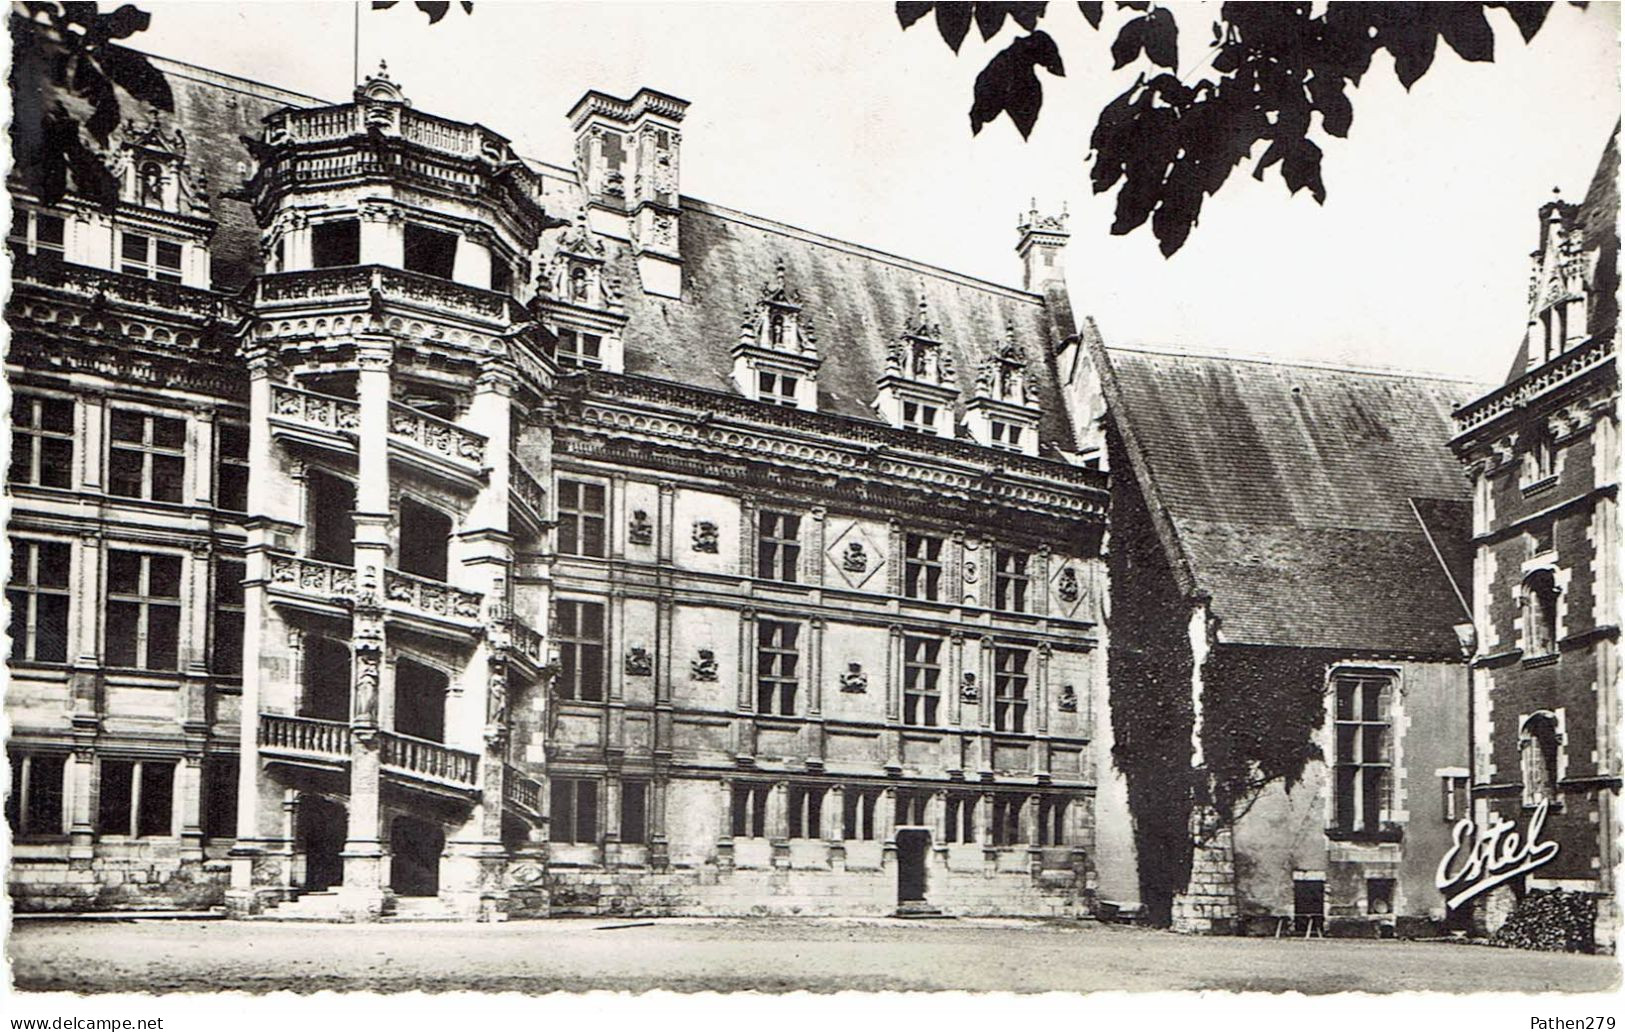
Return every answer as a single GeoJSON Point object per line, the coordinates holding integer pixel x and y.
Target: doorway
{"type": "Point", "coordinates": [321, 832]}
{"type": "Point", "coordinates": [332, 518]}
{"type": "Point", "coordinates": [912, 846]}
{"type": "Point", "coordinates": [326, 679]}
{"type": "Point", "coordinates": [415, 847]}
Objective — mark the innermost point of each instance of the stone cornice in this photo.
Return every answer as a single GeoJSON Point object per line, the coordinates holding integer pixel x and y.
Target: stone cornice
{"type": "Point", "coordinates": [1474, 418]}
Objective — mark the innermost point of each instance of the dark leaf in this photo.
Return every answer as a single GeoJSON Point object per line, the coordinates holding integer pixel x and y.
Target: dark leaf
{"type": "Point", "coordinates": [1336, 112]}
{"type": "Point", "coordinates": [1413, 49]}
{"type": "Point", "coordinates": [1464, 28]}
{"type": "Point", "coordinates": [466, 5]}
{"type": "Point", "coordinates": [383, 5]}
{"type": "Point", "coordinates": [1528, 17]}
{"type": "Point", "coordinates": [1009, 84]}
{"type": "Point", "coordinates": [1026, 15]}
{"type": "Point", "coordinates": [1301, 168]}
{"type": "Point", "coordinates": [435, 9]}
{"type": "Point", "coordinates": [132, 71]}
{"type": "Point", "coordinates": [1129, 43]}
{"type": "Point", "coordinates": [90, 83]}
{"type": "Point", "coordinates": [1162, 38]}
{"type": "Point", "coordinates": [909, 13]}
{"type": "Point", "coordinates": [1091, 13]}
{"type": "Point", "coordinates": [80, 13]}
{"type": "Point", "coordinates": [91, 179]}
{"type": "Point", "coordinates": [989, 18]}
{"type": "Point", "coordinates": [1132, 5]}
{"type": "Point", "coordinates": [126, 21]}
{"type": "Point", "coordinates": [953, 22]}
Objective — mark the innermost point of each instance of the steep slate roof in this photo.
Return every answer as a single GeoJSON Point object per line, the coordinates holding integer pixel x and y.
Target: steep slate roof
{"type": "Point", "coordinates": [1284, 492]}
{"type": "Point", "coordinates": [858, 299]}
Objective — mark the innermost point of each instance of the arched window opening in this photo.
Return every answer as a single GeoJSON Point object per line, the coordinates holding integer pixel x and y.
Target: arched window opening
{"type": "Point", "coordinates": [1539, 741]}
{"type": "Point", "coordinates": [1540, 614]}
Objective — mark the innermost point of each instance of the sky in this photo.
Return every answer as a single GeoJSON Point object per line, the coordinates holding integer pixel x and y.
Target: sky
{"type": "Point", "coordinates": [828, 116]}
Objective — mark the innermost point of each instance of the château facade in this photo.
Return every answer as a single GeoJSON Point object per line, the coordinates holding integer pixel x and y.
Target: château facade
{"type": "Point", "coordinates": [403, 525]}
{"type": "Point", "coordinates": [1542, 454]}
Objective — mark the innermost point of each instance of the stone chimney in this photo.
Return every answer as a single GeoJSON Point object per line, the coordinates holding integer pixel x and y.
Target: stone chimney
{"type": "Point", "coordinates": [1042, 248]}
{"type": "Point", "coordinates": [628, 162]}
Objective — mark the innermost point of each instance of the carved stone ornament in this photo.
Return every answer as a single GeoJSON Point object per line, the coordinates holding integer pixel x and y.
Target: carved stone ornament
{"type": "Point", "coordinates": [1069, 699]}
{"type": "Point", "coordinates": [854, 559]}
{"type": "Point", "coordinates": [705, 667]}
{"type": "Point", "coordinates": [705, 536]}
{"type": "Point", "coordinates": [639, 663]}
{"type": "Point", "coordinates": [854, 680]}
{"type": "Point", "coordinates": [1067, 586]}
{"type": "Point", "coordinates": [969, 691]}
{"type": "Point", "coordinates": [641, 531]}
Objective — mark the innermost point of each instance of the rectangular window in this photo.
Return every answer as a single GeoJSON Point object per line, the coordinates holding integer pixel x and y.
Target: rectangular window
{"type": "Point", "coordinates": [38, 594]}
{"type": "Point", "coordinates": [1010, 580]}
{"type": "Point", "coordinates": [635, 812]}
{"type": "Point", "coordinates": [147, 457]}
{"type": "Point", "coordinates": [1004, 436]}
{"type": "Point", "coordinates": [778, 546]}
{"type": "Point", "coordinates": [41, 441]}
{"type": "Point", "coordinates": [227, 645]}
{"type": "Point", "coordinates": [143, 610]}
{"type": "Point", "coordinates": [858, 815]}
{"type": "Point", "coordinates": [1379, 897]}
{"type": "Point", "coordinates": [959, 818]}
{"type": "Point", "coordinates": [231, 467]}
{"type": "Point", "coordinates": [1010, 689]}
{"type": "Point", "coordinates": [920, 418]}
{"type": "Point", "coordinates": [1007, 828]}
{"type": "Point", "coordinates": [574, 817]}
{"type": "Point", "coordinates": [806, 811]}
{"type": "Point", "coordinates": [776, 389]}
{"type": "Point", "coordinates": [582, 350]}
{"type": "Point", "coordinates": [432, 252]}
{"type": "Point", "coordinates": [910, 806]}
{"type": "Point", "coordinates": [1456, 799]}
{"type": "Point", "coordinates": [776, 659]}
{"type": "Point", "coordinates": [501, 275]}
{"type": "Point", "coordinates": [141, 255]}
{"type": "Point", "coordinates": [335, 243]}
{"type": "Point", "coordinates": [38, 233]}
{"type": "Point", "coordinates": [34, 806]}
{"type": "Point", "coordinates": [579, 633]}
{"type": "Point", "coordinates": [137, 798]}
{"type": "Point", "coordinates": [922, 566]}
{"type": "Point", "coordinates": [749, 812]}
{"type": "Point", "coordinates": [581, 518]}
{"type": "Point", "coordinates": [220, 796]}
{"type": "Point", "coordinates": [1361, 760]}
{"type": "Point", "coordinates": [1052, 822]}
{"type": "Point", "coordinates": [921, 671]}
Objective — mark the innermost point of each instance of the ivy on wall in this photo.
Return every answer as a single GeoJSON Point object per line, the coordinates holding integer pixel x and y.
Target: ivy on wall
{"type": "Point", "coordinates": [1261, 707]}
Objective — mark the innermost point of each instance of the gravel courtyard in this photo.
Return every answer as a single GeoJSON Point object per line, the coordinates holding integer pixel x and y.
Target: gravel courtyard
{"type": "Point", "coordinates": [766, 955]}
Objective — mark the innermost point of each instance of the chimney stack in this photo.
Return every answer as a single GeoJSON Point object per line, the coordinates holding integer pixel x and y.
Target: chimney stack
{"type": "Point", "coordinates": [1042, 248]}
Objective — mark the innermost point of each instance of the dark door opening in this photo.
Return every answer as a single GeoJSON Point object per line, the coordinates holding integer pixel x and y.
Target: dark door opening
{"type": "Point", "coordinates": [332, 518]}
{"type": "Point", "coordinates": [425, 533]}
{"type": "Point", "coordinates": [415, 847]}
{"type": "Point", "coordinates": [1308, 905]}
{"type": "Point", "coordinates": [912, 846]}
{"type": "Point", "coordinates": [321, 832]}
{"type": "Point", "coordinates": [432, 252]}
{"type": "Point", "coordinates": [326, 679]}
{"type": "Point", "coordinates": [420, 701]}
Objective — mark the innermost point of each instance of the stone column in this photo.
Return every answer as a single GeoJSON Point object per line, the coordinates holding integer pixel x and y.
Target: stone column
{"type": "Point", "coordinates": [835, 803]}
{"type": "Point", "coordinates": [778, 823]}
{"type": "Point", "coordinates": [78, 776]}
{"type": "Point", "coordinates": [188, 806]}
{"type": "Point", "coordinates": [363, 893]}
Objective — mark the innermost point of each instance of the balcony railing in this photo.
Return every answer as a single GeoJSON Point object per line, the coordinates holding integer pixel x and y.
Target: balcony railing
{"type": "Point", "coordinates": [88, 282]}
{"type": "Point", "coordinates": [436, 435]}
{"type": "Point", "coordinates": [528, 642]}
{"type": "Point", "coordinates": [425, 759]}
{"type": "Point", "coordinates": [356, 283]}
{"type": "Point", "coordinates": [325, 125]}
{"type": "Point", "coordinates": [1530, 386]}
{"type": "Point", "coordinates": [321, 411]}
{"type": "Point", "coordinates": [520, 791]}
{"type": "Point", "coordinates": [526, 488]}
{"type": "Point", "coordinates": [431, 597]}
{"type": "Point", "coordinates": [312, 577]}
{"type": "Point", "coordinates": [328, 739]}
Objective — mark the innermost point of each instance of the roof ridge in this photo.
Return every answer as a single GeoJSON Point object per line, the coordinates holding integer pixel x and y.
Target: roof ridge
{"type": "Point", "coordinates": [860, 250]}
{"type": "Point", "coordinates": [1255, 358]}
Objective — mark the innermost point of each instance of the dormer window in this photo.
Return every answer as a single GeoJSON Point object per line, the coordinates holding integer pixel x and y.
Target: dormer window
{"type": "Point", "coordinates": [776, 359]}
{"type": "Point", "coordinates": [141, 255]}
{"type": "Point", "coordinates": [38, 233]}
{"type": "Point", "coordinates": [579, 284]}
{"type": "Point", "coordinates": [151, 185]}
{"type": "Point", "coordinates": [1002, 412]}
{"type": "Point", "coordinates": [918, 389]}
{"type": "Point", "coordinates": [581, 350]}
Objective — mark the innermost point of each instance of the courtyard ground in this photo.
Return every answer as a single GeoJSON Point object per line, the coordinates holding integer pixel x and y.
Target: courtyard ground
{"type": "Point", "coordinates": [820, 955]}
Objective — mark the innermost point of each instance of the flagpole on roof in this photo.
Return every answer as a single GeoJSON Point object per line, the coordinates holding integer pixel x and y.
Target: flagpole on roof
{"type": "Point", "coordinates": [355, 49]}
